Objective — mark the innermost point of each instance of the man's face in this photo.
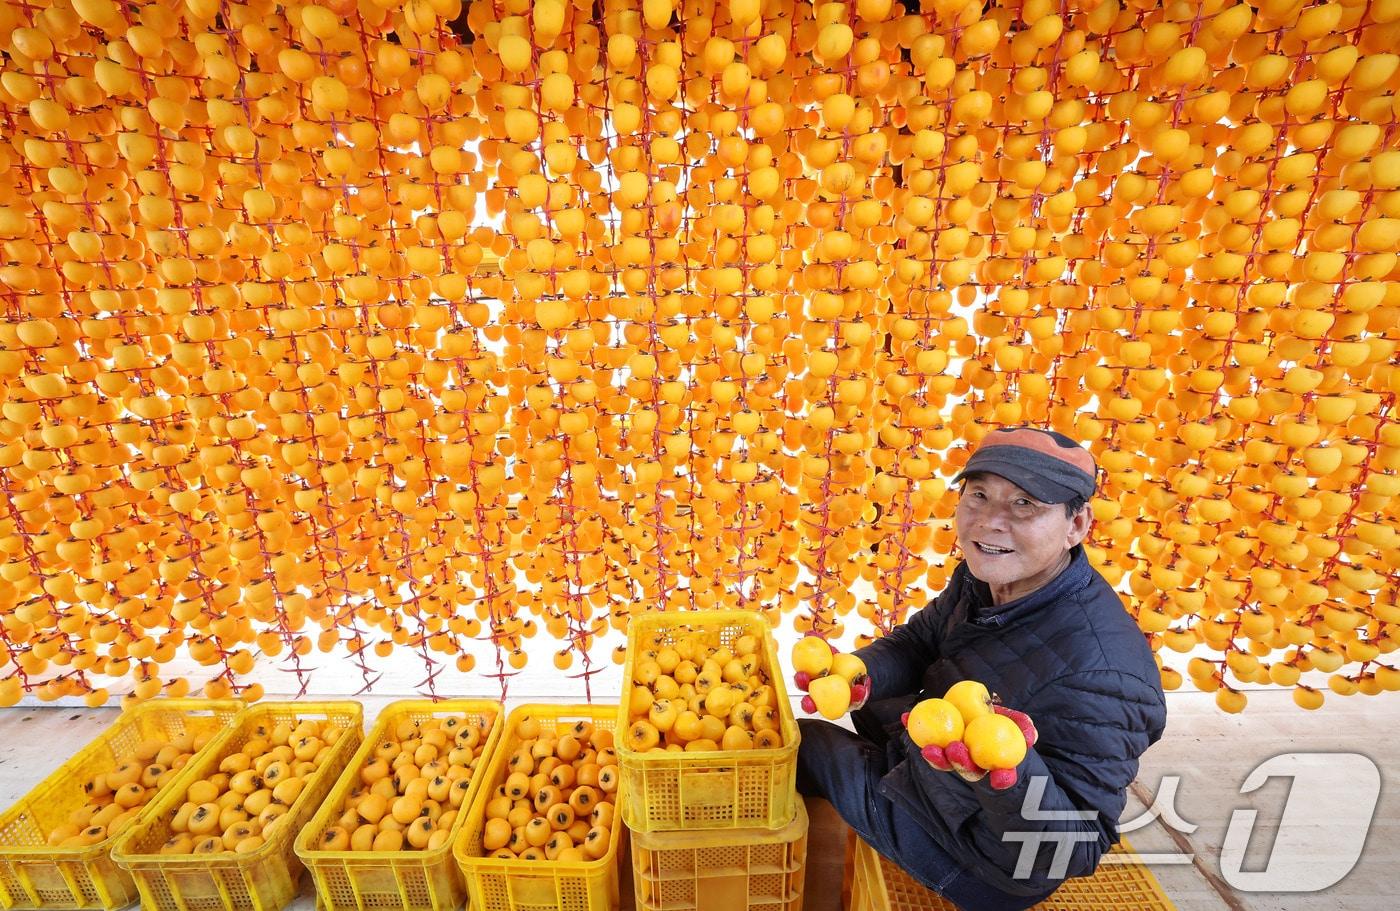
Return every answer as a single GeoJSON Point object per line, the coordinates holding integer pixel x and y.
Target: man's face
{"type": "Point", "coordinates": [1012, 541]}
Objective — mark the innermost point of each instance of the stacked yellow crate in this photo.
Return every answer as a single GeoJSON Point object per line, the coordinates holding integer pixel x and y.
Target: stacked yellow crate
{"type": "Point", "coordinates": [711, 828]}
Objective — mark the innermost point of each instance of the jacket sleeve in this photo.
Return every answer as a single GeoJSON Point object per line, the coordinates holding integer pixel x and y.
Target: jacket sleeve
{"type": "Point", "coordinates": [897, 662]}
{"type": "Point", "coordinates": [1070, 789]}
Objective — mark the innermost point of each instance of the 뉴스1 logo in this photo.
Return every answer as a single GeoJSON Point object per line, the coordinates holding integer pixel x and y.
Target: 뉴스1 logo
{"type": "Point", "coordinates": [1321, 828]}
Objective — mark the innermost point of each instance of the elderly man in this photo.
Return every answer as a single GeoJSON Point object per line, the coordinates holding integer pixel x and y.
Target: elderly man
{"type": "Point", "coordinates": [1026, 615]}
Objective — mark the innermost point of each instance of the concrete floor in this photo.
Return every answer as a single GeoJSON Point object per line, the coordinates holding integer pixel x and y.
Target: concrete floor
{"type": "Point", "coordinates": [1206, 756]}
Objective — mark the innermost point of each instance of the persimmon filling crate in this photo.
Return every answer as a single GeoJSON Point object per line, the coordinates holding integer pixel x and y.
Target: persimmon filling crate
{"type": "Point", "coordinates": [258, 876]}
{"type": "Point", "coordinates": [36, 874]}
{"type": "Point", "coordinates": [562, 876]}
{"type": "Point", "coordinates": [410, 880]}
{"type": "Point", "coordinates": [668, 790]}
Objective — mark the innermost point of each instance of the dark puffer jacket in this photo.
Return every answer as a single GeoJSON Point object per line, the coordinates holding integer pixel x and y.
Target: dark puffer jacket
{"type": "Point", "coordinates": [1070, 657]}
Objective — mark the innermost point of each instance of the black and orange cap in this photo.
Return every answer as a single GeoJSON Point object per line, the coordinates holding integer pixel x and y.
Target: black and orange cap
{"type": "Point", "coordinates": [1047, 465]}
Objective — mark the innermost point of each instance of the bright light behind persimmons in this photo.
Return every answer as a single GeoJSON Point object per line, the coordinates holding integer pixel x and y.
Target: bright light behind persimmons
{"type": "Point", "coordinates": [378, 326]}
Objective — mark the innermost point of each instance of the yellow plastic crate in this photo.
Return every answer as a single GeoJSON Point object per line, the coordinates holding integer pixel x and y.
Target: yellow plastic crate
{"type": "Point", "coordinates": [409, 880]}
{"type": "Point", "coordinates": [34, 875]}
{"type": "Point", "coordinates": [1123, 886]}
{"type": "Point", "coordinates": [261, 880]}
{"type": "Point", "coordinates": [721, 869]}
{"type": "Point", "coordinates": [725, 789]}
{"type": "Point", "coordinates": [495, 884]}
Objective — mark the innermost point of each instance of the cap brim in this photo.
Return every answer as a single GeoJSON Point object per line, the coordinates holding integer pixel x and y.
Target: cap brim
{"type": "Point", "coordinates": [1037, 485]}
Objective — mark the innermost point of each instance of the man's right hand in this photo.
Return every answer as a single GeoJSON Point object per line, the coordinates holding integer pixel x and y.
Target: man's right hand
{"type": "Point", "coordinates": [832, 696]}
{"type": "Point", "coordinates": [836, 683]}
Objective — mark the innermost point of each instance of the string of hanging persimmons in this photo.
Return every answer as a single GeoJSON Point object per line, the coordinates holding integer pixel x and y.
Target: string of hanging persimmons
{"type": "Point", "coordinates": [358, 327]}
